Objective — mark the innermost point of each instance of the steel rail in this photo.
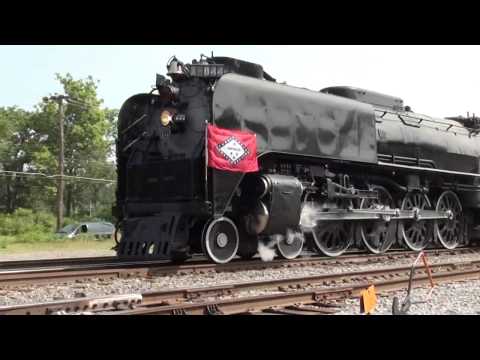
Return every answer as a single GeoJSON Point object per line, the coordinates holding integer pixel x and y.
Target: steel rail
{"type": "Point", "coordinates": [252, 304]}
{"type": "Point", "coordinates": [151, 268]}
{"type": "Point", "coordinates": [118, 269]}
{"type": "Point", "coordinates": [38, 263]}
{"type": "Point", "coordinates": [11, 265]}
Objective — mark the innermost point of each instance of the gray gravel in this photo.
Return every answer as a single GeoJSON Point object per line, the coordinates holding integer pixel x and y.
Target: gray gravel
{"type": "Point", "coordinates": [459, 298]}
{"type": "Point", "coordinates": [98, 287]}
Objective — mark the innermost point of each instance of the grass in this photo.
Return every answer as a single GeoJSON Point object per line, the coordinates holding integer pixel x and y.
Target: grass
{"type": "Point", "coordinates": [29, 231]}
{"type": "Point", "coordinates": [56, 245]}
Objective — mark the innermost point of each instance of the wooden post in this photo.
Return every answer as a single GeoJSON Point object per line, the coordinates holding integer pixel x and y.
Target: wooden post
{"type": "Point", "coordinates": [61, 185]}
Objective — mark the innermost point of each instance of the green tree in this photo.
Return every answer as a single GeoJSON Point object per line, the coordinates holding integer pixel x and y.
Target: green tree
{"type": "Point", "coordinates": [18, 141]}
{"type": "Point", "coordinates": [89, 132]}
{"type": "Point", "coordinates": [29, 142]}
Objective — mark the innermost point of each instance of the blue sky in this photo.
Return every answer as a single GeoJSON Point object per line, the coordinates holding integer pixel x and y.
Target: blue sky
{"type": "Point", "coordinates": [435, 80]}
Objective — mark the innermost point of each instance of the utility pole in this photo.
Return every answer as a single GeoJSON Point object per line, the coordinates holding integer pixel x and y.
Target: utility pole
{"type": "Point", "coordinates": [61, 160]}
{"type": "Point", "coordinates": [60, 183]}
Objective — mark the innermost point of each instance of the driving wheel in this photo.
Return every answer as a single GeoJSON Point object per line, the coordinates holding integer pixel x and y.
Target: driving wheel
{"type": "Point", "coordinates": [415, 234]}
{"type": "Point", "coordinates": [220, 240]}
{"type": "Point", "coordinates": [449, 232]}
{"type": "Point", "coordinates": [290, 246]}
{"type": "Point", "coordinates": [332, 238]}
{"type": "Point", "coordinates": [377, 235]}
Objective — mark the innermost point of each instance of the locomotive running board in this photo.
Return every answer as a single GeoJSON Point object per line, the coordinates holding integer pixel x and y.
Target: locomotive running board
{"type": "Point", "coordinates": [418, 168]}
{"type": "Point", "coordinates": [385, 215]}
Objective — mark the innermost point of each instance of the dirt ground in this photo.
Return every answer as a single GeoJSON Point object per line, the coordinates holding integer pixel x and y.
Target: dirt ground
{"type": "Point", "coordinates": [52, 250]}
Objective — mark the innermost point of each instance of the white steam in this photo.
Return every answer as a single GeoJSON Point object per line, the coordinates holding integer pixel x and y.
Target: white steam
{"type": "Point", "coordinates": [267, 246]}
{"type": "Point", "coordinates": [293, 235]}
{"type": "Point", "coordinates": [266, 249]}
{"type": "Point", "coordinates": [310, 214]}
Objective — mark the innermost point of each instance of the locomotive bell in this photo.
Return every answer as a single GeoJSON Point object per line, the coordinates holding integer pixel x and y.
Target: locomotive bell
{"type": "Point", "coordinates": [175, 69]}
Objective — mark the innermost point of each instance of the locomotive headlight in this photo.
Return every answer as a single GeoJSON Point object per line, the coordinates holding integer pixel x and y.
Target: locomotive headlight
{"type": "Point", "coordinates": [166, 117]}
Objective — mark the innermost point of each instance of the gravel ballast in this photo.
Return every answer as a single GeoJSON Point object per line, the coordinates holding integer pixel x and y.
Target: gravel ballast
{"type": "Point", "coordinates": [455, 298]}
{"type": "Point", "coordinates": [459, 298]}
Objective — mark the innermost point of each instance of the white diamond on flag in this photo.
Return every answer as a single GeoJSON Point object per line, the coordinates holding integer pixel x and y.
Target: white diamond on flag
{"type": "Point", "coordinates": [233, 150]}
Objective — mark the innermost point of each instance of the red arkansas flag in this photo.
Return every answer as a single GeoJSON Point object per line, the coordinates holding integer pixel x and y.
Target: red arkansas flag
{"type": "Point", "coordinates": [232, 150]}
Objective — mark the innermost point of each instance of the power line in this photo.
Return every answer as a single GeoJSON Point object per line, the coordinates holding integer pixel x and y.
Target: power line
{"type": "Point", "coordinates": [23, 173]}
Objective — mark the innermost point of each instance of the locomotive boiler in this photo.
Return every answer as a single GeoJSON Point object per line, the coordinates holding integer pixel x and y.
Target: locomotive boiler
{"type": "Point", "coordinates": [336, 167]}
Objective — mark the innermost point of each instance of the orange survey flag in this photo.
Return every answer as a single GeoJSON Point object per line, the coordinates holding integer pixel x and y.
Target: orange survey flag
{"type": "Point", "coordinates": [368, 299]}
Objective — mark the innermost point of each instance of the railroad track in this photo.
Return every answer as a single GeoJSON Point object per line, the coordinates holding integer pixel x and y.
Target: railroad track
{"type": "Point", "coordinates": [37, 272]}
{"type": "Point", "coordinates": [64, 270]}
{"type": "Point", "coordinates": [318, 294]}
{"type": "Point", "coordinates": [11, 265]}
{"type": "Point", "coordinates": [41, 263]}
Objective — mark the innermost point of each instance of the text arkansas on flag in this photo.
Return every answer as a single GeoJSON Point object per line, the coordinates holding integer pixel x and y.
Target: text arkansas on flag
{"type": "Point", "coordinates": [231, 150]}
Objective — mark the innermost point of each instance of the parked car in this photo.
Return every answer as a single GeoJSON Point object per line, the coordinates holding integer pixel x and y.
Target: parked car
{"type": "Point", "coordinates": [101, 230]}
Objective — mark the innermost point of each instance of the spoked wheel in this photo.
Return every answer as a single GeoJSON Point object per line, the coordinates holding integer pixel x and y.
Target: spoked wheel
{"type": "Point", "coordinates": [379, 235]}
{"type": "Point", "coordinates": [291, 245]}
{"type": "Point", "coordinates": [449, 232]}
{"type": "Point", "coordinates": [220, 240]}
{"type": "Point", "coordinates": [333, 238]}
{"type": "Point", "coordinates": [415, 234]}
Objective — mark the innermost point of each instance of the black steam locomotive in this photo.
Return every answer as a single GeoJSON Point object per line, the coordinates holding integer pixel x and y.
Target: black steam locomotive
{"type": "Point", "coordinates": [337, 167]}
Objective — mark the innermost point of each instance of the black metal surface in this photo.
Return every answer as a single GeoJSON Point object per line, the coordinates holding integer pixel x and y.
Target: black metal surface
{"type": "Point", "coordinates": [366, 96]}
{"type": "Point", "coordinates": [284, 203]}
{"type": "Point", "coordinates": [223, 184]}
{"type": "Point", "coordinates": [296, 121]}
{"type": "Point", "coordinates": [239, 66]}
{"type": "Point", "coordinates": [454, 149]}
{"type": "Point", "coordinates": [149, 169]}
{"type": "Point", "coordinates": [161, 169]}
{"type": "Point", "coordinates": [153, 237]}
{"type": "Point", "coordinates": [196, 207]}
{"type": "Point", "coordinates": [331, 142]}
